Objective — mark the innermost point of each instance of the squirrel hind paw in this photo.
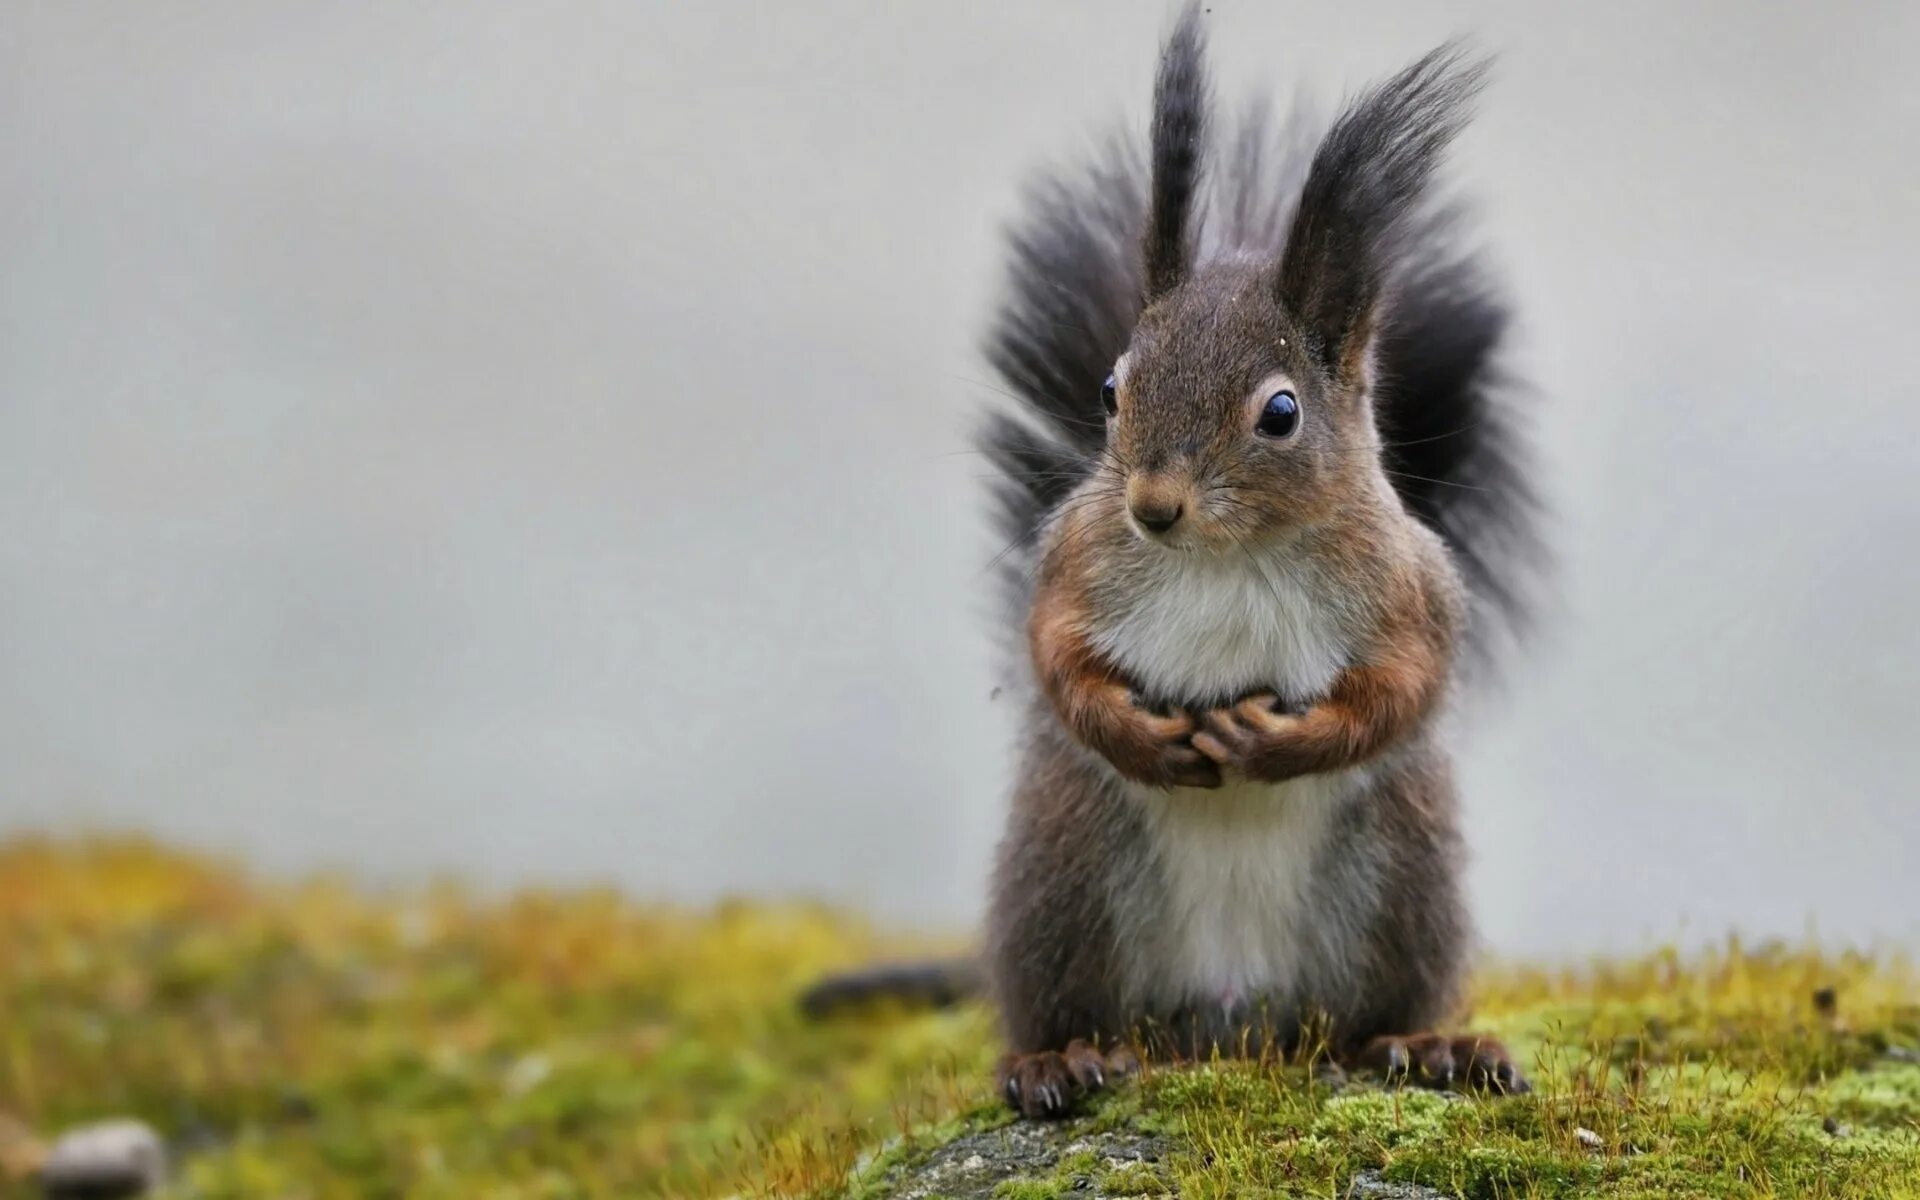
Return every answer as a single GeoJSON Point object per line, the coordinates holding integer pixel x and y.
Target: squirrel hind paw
{"type": "Point", "coordinates": [1464, 1062]}
{"type": "Point", "coordinates": [1049, 1084]}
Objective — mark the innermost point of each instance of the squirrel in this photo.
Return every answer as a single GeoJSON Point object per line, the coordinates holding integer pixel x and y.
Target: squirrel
{"type": "Point", "coordinates": [1266, 497]}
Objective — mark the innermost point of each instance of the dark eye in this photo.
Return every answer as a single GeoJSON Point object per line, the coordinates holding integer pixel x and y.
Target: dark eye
{"type": "Point", "coordinates": [1108, 399]}
{"type": "Point", "coordinates": [1280, 417]}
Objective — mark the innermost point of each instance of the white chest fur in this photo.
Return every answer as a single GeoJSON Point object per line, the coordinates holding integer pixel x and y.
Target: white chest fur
{"type": "Point", "coordinates": [1206, 628]}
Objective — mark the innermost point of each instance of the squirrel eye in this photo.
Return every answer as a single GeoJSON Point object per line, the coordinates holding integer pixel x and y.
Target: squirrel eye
{"type": "Point", "coordinates": [1109, 400]}
{"type": "Point", "coordinates": [1280, 417]}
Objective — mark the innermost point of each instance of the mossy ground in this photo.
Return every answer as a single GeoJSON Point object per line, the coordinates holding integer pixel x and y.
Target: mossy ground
{"type": "Point", "coordinates": [315, 1041]}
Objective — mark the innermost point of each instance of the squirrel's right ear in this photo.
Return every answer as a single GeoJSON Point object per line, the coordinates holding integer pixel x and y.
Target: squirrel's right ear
{"type": "Point", "coordinates": [1362, 198]}
{"type": "Point", "coordinates": [1179, 131]}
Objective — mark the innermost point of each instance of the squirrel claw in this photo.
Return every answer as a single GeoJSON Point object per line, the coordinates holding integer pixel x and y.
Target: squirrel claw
{"type": "Point", "coordinates": [1187, 767]}
{"type": "Point", "coordinates": [1155, 748]}
{"type": "Point", "coordinates": [1442, 1062]}
{"type": "Point", "coordinates": [1214, 749]}
{"type": "Point", "coordinates": [1050, 1083]}
{"type": "Point", "coordinates": [1246, 735]}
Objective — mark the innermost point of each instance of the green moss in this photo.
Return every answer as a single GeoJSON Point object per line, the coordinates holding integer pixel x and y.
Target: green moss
{"type": "Point", "coordinates": [1885, 1096]}
{"type": "Point", "coordinates": [1693, 1132]}
{"type": "Point", "coordinates": [1134, 1179]}
{"type": "Point", "coordinates": [321, 1042]}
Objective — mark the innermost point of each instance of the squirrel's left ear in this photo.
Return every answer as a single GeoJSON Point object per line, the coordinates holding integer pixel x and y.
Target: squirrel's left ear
{"type": "Point", "coordinates": [1362, 200]}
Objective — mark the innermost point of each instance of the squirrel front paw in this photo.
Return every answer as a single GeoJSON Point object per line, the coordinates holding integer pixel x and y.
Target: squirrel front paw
{"type": "Point", "coordinates": [1150, 747]}
{"type": "Point", "coordinates": [1255, 738]}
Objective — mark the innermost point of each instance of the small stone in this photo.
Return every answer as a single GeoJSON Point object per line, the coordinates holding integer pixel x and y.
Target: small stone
{"type": "Point", "coordinates": [1834, 1128]}
{"type": "Point", "coordinates": [104, 1160]}
{"type": "Point", "coordinates": [1902, 1054]}
{"type": "Point", "coordinates": [1373, 1186]}
{"type": "Point", "coordinates": [1589, 1139]}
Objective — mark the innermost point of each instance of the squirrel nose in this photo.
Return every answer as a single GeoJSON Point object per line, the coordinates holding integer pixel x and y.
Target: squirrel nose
{"type": "Point", "coordinates": [1156, 515]}
{"type": "Point", "coordinates": [1156, 501]}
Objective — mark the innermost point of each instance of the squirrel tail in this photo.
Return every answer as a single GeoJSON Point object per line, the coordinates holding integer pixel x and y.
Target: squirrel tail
{"type": "Point", "coordinates": [1097, 242]}
{"type": "Point", "coordinates": [934, 983]}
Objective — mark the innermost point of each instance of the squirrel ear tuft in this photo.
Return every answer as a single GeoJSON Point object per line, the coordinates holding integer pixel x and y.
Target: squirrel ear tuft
{"type": "Point", "coordinates": [1363, 198]}
{"type": "Point", "coordinates": [1178, 145]}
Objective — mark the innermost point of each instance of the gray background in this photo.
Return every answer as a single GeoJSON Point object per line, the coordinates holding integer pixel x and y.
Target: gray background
{"type": "Point", "coordinates": [530, 444]}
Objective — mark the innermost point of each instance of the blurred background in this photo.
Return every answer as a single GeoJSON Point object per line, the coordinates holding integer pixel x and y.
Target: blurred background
{"type": "Point", "coordinates": [531, 445]}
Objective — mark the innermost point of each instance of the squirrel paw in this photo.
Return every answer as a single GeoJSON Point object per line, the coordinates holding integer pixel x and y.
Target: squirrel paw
{"type": "Point", "coordinates": [1254, 737]}
{"type": "Point", "coordinates": [1156, 748]}
{"type": "Point", "coordinates": [1464, 1062]}
{"type": "Point", "coordinates": [1048, 1084]}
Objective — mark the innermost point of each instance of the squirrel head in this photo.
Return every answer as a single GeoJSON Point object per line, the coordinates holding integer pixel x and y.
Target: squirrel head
{"type": "Point", "coordinates": [1224, 423]}
{"type": "Point", "coordinates": [1240, 409]}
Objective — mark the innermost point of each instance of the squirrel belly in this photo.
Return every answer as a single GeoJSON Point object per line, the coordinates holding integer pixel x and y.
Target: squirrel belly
{"type": "Point", "coordinates": [1241, 921]}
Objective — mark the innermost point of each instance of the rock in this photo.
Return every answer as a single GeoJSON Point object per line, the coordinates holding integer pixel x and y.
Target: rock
{"type": "Point", "coordinates": [1589, 1139]}
{"type": "Point", "coordinates": [973, 1166]}
{"type": "Point", "coordinates": [1834, 1128]}
{"type": "Point", "coordinates": [977, 1165]}
{"type": "Point", "coordinates": [1374, 1186]}
{"type": "Point", "coordinates": [103, 1161]}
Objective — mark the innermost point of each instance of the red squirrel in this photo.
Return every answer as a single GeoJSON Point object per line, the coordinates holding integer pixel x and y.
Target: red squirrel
{"type": "Point", "coordinates": [1265, 482]}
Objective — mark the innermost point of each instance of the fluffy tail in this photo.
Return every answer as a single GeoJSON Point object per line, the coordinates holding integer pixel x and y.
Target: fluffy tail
{"type": "Point", "coordinates": [1098, 242]}
{"type": "Point", "coordinates": [938, 983]}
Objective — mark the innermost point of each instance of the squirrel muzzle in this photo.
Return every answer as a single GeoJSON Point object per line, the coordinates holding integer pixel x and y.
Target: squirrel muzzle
{"type": "Point", "coordinates": [1158, 500]}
